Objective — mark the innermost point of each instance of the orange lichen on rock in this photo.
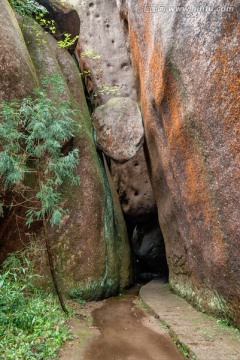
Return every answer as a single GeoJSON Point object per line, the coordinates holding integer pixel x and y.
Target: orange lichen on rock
{"type": "Point", "coordinates": [135, 59]}
{"type": "Point", "coordinates": [190, 104]}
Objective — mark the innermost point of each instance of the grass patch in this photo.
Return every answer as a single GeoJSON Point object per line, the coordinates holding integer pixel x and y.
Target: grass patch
{"type": "Point", "coordinates": [184, 349]}
{"type": "Point", "coordinates": [32, 326]}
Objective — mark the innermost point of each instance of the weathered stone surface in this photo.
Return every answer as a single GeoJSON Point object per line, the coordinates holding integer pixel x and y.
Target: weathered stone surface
{"type": "Point", "coordinates": [109, 63]}
{"type": "Point", "coordinates": [91, 250]}
{"type": "Point", "coordinates": [103, 50]}
{"type": "Point", "coordinates": [95, 232]}
{"type": "Point", "coordinates": [119, 128]}
{"type": "Point", "coordinates": [186, 65]}
{"type": "Point", "coordinates": [133, 185]}
{"type": "Point", "coordinates": [40, 50]}
{"type": "Point", "coordinates": [17, 75]}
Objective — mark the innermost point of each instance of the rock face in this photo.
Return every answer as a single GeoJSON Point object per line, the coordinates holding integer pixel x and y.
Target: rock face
{"type": "Point", "coordinates": [134, 188]}
{"type": "Point", "coordinates": [119, 128]}
{"type": "Point", "coordinates": [102, 50]}
{"type": "Point", "coordinates": [185, 65]}
{"type": "Point", "coordinates": [17, 74]}
{"type": "Point", "coordinates": [17, 79]}
{"type": "Point", "coordinates": [91, 249]}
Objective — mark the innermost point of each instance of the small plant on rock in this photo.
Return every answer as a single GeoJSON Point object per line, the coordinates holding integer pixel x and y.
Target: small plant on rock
{"type": "Point", "coordinates": [67, 41]}
{"type": "Point", "coordinates": [33, 9]}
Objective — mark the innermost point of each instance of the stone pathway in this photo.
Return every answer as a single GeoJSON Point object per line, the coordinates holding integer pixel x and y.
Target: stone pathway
{"type": "Point", "coordinates": [205, 338]}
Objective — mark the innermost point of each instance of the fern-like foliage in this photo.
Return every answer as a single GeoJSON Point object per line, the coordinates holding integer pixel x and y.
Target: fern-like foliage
{"type": "Point", "coordinates": [32, 165]}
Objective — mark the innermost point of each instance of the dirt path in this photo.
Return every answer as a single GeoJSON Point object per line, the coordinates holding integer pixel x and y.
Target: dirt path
{"type": "Point", "coordinates": [118, 329]}
{"type": "Point", "coordinates": [126, 333]}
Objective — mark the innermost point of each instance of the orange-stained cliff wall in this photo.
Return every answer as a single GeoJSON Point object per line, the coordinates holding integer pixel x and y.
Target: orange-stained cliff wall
{"type": "Point", "coordinates": [186, 72]}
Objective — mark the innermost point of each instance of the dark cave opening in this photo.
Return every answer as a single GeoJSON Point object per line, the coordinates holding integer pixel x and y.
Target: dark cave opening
{"type": "Point", "coordinates": [148, 250]}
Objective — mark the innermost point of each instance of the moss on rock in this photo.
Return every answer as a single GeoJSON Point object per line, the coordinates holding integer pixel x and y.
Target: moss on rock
{"type": "Point", "coordinates": [91, 250]}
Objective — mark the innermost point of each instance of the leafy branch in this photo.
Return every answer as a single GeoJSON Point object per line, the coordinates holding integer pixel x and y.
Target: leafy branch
{"type": "Point", "coordinates": [32, 165]}
{"type": "Point", "coordinates": [27, 7]}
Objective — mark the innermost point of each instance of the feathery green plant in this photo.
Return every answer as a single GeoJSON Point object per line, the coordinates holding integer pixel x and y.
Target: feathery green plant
{"type": "Point", "coordinates": [32, 164]}
{"type": "Point", "coordinates": [31, 134]}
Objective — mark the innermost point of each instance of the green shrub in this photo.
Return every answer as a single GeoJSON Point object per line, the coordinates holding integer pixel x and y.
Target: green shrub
{"type": "Point", "coordinates": [32, 326]}
{"type": "Point", "coordinates": [27, 7]}
{"type": "Point", "coordinates": [32, 165]}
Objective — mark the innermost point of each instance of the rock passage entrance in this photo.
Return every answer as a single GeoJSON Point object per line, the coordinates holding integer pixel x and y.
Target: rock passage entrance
{"type": "Point", "coordinates": [126, 333]}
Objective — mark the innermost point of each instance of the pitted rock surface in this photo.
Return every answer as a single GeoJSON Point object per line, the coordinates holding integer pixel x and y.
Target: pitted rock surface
{"type": "Point", "coordinates": [108, 61]}
{"type": "Point", "coordinates": [134, 188]}
{"type": "Point", "coordinates": [119, 128]}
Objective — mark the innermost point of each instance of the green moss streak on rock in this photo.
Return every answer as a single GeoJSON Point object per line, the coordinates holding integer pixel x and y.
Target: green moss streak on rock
{"type": "Point", "coordinates": [91, 248]}
{"type": "Point", "coordinates": [203, 298]}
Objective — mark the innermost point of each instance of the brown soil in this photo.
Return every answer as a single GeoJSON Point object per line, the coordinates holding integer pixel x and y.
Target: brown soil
{"type": "Point", "coordinates": [127, 333]}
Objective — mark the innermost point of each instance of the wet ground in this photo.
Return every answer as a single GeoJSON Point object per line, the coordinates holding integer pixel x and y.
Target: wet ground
{"type": "Point", "coordinates": [121, 328]}
{"type": "Point", "coordinates": [118, 328]}
{"type": "Point", "coordinates": [127, 332]}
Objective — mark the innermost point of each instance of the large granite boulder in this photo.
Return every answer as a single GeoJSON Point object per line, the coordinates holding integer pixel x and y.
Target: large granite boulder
{"type": "Point", "coordinates": [17, 80]}
{"type": "Point", "coordinates": [119, 129]}
{"type": "Point", "coordinates": [91, 250]}
{"type": "Point", "coordinates": [17, 74]}
{"type": "Point", "coordinates": [102, 51]}
{"type": "Point", "coordinates": [186, 67]}
{"type": "Point", "coordinates": [104, 57]}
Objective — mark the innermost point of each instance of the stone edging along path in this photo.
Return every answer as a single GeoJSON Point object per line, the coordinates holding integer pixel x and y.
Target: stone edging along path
{"type": "Point", "coordinates": [198, 334]}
